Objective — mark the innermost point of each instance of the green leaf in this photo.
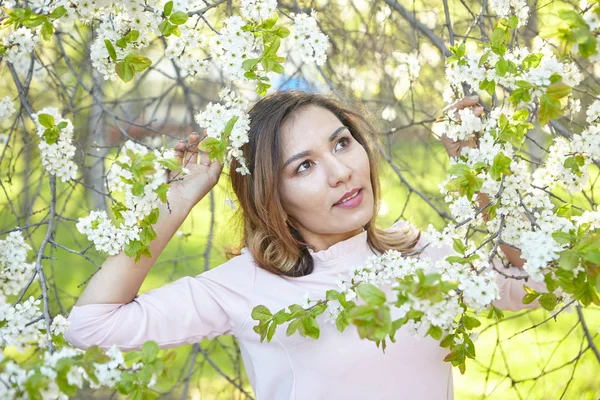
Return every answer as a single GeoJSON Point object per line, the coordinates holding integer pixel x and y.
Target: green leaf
{"type": "Point", "coordinates": [47, 30]}
{"type": "Point", "coordinates": [138, 189]}
{"type": "Point", "coordinates": [132, 36]}
{"type": "Point", "coordinates": [46, 120]}
{"type": "Point", "coordinates": [558, 90]}
{"type": "Point", "coordinates": [318, 310]}
{"type": "Point", "coordinates": [435, 332]}
{"type": "Point", "coordinates": [282, 32]}
{"type": "Point", "coordinates": [161, 191]}
{"type": "Point", "coordinates": [501, 67]}
{"type": "Point", "coordinates": [470, 322]}
{"type": "Point", "coordinates": [139, 63]}
{"type": "Point", "coordinates": [548, 301]}
{"type": "Point", "coordinates": [122, 43]}
{"type": "Point", "coordinates": [147, 235]}
{"type": "Point", "coordinates": [271, 331]}
{"type": "Point", "coordinates": [126, 383]}
{"type": "Point", "coordinates": [564, 210]}
{"type": "Point", "coordinates": [278, 68]}
{"type": "Point", "coordinates": [532, 60]}
{"type": "Point", "coordinates": [332, 294]}
{"type": "Point", "coordinates": [62, 125]}
{"type": "Point", "coordinates": [341, 322]}
{"type": "Point", "coordinates": [282, 316]}
{"type": "Point", "coordinates": [178, 18]}
{"type": "Point", "coordinates": [574, 163]}
{"type": "Point", "coordinates": [521, 115]}
{"type": "Point", "coordinates": [149, 351]}
{"type": "Point", "coordinates": [549, 109]}
{"type": "Point", "coordinates": [151, 218]}
{"type": "Point", "coordinates": [488, 86]}
{"type": "Point", "coordinates": [573, 18]}
{"type": "Point", "coordinates": [447, 341]}
{"type": "Point", "coordinates": [495, 312]}
{"type": "Point", "coordinates": [311, 327]}
{"type": "Point", "coordinates": [64, 386]}
{"type": "Point", "coordinates": [125, 71]}
{"type": "Point", "coordinates": [170, 163]}
{"type": "Point", "coordinates": [293, 327]}
{"type": "Point", "coordinates": [459, 246]}
{"type": "Point", "coordinates": [58, 12]}
{"type": "Point", "coordinates": [371, 294]}
{"type": "Point", "coordinates": [593, 256]}
{"type": "Point", "coordinates": [168, 8]}
{"type": "Point", "coordinates": [250, 63]}
{"type": "Point", "coordinates": [562, 237]}
{"type": "Point", "coordinates": [261, 313]}
{"type": "Point", "coordinates": [530, 297]}
{"type": "Point", "coordinates": [229, 126]}
{"type": "Point", "coordinates": [500, 166]}
{"type": "Point", "coordinates": [166, 28]}
{"type": "Point", "coordinates": [111, 50]}
{"type": "Point", "coordinates": [551, 283]}
{"type": "Point", "coordinates": [587, 48]}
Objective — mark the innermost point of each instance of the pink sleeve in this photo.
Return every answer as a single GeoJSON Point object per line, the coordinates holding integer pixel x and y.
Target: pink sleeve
{"type": "Point", "coordinates": [179, 313]}
{"type": "Point", "coordinates": [511, 290]}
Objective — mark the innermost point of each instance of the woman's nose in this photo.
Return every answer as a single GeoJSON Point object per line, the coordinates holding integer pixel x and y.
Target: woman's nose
{"type": "Point", "coordinates": [338, 171]}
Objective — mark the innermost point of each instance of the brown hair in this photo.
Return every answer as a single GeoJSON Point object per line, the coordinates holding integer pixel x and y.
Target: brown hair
{"type": "Point", "coordinates": [270, 237]}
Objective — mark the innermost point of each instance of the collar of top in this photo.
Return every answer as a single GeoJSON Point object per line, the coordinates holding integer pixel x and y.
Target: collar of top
{"type": "Point", "coordinates": [351, 247]}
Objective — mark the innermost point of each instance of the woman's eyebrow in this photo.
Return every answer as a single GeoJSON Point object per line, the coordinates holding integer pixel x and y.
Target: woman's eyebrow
{"type": "Point", "coordinates": [308, 152]}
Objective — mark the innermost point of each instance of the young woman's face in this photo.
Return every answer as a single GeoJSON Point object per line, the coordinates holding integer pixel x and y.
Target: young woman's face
{"type": "Point", "coordinates": [321, 165]}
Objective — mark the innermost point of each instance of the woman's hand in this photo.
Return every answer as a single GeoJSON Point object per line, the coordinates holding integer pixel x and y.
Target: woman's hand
{"type": "Point", "coordinates": [187, 190]}
{"type": "Point", "coordinates": [453, 148]}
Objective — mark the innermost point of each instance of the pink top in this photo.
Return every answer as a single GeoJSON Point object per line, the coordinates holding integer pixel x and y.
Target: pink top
{"type": "Point", "coordinates": [336, 366]}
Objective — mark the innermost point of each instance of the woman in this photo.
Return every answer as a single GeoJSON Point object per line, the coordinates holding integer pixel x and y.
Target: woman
{"type": "Point", "coordinates": [308, 210]}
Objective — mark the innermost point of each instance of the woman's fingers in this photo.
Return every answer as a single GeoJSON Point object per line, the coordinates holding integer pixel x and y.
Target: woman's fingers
{"type": "Point", "coordinates": [465, 102]}
{"type": "Point", "coordinates": [191, 156]}
{"type": "Point", "coordinates": [180, 150]}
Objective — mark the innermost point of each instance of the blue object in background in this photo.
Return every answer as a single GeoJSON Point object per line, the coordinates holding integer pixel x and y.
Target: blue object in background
{"type": "Point", "coordinates": [294, 83]}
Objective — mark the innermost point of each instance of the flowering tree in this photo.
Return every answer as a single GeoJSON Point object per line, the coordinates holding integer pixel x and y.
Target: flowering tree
{"type": "Point", "coordinates": [87, 77]}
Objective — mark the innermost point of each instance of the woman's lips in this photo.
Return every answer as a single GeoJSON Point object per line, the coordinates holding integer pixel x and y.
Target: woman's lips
{"type": "Point", "coordinates": [353, 202]}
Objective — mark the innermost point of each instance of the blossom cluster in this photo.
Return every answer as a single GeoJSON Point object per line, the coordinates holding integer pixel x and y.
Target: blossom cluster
{"type": "Point", "coordinates": [258, 10]}
{"type": "Point", "coordinates": [535, 68]}
{"type": "Point", "coordinates": [308, 39]}
{"type": "Point", "coordinates": [463, 126]}
{"type": "Point", "coordinates": [107, 237]}
{"type": "Point", "coordinates": [19, 44]}
{"type": "Point", "coordinates": [506, 8]}
{"type": "Point", "coordinates": [187, 50]}
{"type": "Point", "coordinates": [140, 199]}
{"type": "Point", "coordinates": [520, 192]}
{"type": "Point", "coordinates": [216, 117]}
{"type": "Point", "coordinates": [232, 46]}
{"type": "Point", "coordinates": [13, 263]}
{"type": "Point", "coordinates": [404, 66]}
{"type": "Point", "coordinates": [57, 154]}
{"type": "Point", "coordinates": [7, 108]}
{"type": "Point", "coordinates": [476, 288]}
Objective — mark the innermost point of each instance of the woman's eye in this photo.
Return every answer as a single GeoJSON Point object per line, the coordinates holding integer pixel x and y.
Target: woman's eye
{"type": "Point", "coordinates": [343, 141]}
{"type": "Point", "coordinates": [304, 166]}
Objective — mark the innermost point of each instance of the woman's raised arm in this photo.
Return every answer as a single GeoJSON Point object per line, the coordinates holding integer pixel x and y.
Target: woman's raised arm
{"type": "Point", "coordinates": [120, 278]}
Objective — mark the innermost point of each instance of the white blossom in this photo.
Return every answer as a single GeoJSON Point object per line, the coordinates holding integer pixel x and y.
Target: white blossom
{"type": "Point", "coordinates": [258, 10]}
{"type": "Point", "coordinates": [57, 158]}
{"type": "Point", "coordinates": [308, 39]}
{"type": "Point", "coordinates": [19, 44]}
{"type": "Point", "coordinates": [7, 108]}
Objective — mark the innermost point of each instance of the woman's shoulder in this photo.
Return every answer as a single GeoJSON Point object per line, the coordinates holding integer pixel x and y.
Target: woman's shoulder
{"type": "Point", "coordinates": [238, 271]}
